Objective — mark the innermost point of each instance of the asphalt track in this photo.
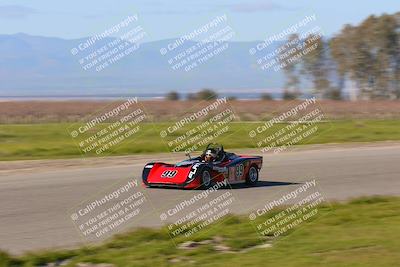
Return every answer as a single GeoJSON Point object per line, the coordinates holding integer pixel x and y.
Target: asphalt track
{"type": "Point", "coordinates": [36, 203]}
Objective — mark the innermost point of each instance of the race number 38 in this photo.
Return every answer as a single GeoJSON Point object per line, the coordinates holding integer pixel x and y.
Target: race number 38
{"type": "Point", "coordinates": [169, 173]}
{"type": "Point", "coordinates": [239, 170]}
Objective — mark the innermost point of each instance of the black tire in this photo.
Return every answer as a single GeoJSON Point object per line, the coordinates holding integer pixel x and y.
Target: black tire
{"type": "Point", "coordinates": [206, 178]}
{"type": "Point", "coordinates": [252, 175]}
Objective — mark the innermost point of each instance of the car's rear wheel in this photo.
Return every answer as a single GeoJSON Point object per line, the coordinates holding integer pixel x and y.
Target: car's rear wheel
{"type": "Point", "coordinates": [206, 179]}
{"type": "Point", "coordinates": [252, 175]}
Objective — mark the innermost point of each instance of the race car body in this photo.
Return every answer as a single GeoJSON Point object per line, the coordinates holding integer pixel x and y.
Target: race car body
{"type": "Point", "coordinates": [198, 173]}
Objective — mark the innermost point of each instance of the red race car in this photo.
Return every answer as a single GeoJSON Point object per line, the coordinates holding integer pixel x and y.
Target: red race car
{"type": "Point", "coordinates": [213, 166]}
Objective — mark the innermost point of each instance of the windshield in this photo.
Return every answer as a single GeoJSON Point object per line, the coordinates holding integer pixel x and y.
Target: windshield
{"type": "Point", "coordinates": [187, 162]}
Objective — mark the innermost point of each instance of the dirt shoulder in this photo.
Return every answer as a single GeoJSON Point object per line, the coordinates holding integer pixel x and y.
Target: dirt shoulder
{"type": "Point", "coordinates": [246, 110]}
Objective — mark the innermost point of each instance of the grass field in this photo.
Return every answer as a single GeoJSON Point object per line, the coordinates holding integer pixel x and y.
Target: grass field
{"type": "Point", "coordinates": [40, 141]}
{"type": "Point", "coordinates": [363, 232]}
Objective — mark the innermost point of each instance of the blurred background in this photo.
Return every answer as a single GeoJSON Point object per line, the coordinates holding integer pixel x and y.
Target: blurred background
{"type": "Point", "coordinates": [62, 63]}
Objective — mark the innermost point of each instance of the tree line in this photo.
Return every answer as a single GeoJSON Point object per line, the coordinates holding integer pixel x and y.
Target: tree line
{"type": "Point", "coordinates": [366, 57]}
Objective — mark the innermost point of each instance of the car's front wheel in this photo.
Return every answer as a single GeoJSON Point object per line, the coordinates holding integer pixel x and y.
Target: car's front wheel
{"type": "Point", "coordinates": [206, 179]}
{"type": "Point", "coordinates": [252, 175]}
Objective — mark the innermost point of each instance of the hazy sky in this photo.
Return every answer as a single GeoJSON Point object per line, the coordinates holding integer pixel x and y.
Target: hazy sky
{"type": "Point", "coordinates": [251, 20]}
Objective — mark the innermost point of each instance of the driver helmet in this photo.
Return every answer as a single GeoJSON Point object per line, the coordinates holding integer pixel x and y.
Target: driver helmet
{"type": "Point", "coordinates": [210, 155]}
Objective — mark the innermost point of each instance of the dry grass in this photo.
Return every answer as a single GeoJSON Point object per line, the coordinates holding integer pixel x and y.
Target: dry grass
{"type": "Point", "coordinates": [247, 110]}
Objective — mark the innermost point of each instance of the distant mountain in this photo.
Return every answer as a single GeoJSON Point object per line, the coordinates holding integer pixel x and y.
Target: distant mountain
{"type": "Point", "coordinates": [35, 65]}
